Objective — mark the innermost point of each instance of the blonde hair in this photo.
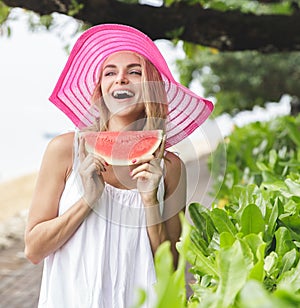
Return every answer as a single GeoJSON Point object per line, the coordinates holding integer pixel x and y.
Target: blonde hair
{"type": "Point", "coordinates": [154, 97]}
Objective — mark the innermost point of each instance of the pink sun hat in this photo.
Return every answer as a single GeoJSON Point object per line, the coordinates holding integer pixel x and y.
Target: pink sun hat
{"type": "Point", "coordinates": [73, 91]}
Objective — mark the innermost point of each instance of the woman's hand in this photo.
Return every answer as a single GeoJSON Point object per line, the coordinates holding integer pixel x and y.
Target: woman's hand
{"type": "Point", "coordinates": [148, 174]}
{"type": "Point", "coordinates": [90, 170]}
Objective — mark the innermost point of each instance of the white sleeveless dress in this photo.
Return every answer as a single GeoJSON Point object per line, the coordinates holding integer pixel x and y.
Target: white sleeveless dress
{"type": "Point", "coordinates": [107, 259]}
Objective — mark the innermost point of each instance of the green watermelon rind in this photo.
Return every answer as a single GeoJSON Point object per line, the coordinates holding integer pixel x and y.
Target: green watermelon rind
{"type": "Point", "coordinates": [133, 135]}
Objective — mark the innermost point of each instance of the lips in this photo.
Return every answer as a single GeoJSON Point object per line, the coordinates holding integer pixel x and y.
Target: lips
{"type": "Point", "coordinates": [121, 94]}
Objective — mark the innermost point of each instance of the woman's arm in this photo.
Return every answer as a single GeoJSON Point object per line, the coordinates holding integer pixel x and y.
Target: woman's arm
{"type": "Point", "coordinates": [167, 226]}
{"type": "Point", "coordinates": [46, 231]}
{"type": "Point", "coordinates": [174, 203]}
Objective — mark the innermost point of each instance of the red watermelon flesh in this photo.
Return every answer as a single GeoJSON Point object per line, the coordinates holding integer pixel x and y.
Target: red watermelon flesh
{"type": "Point", "coordinates": [121, 148]}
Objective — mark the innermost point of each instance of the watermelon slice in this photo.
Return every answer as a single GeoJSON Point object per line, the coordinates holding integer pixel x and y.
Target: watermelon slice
{"type": "Point", "coordinates": [121, 148]}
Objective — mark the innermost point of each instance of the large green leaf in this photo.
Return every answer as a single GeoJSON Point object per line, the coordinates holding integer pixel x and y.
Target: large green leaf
{"type": "Point", "coordinates": [170, 286]}
{"type": "Point", "coordinates": [288, 260]}
{"type": "Point", "coordinates": [252, 220]}
{"type": "Point", "coordinates": [284, 242]}
{"type": "Point", "coordinates": [222, 221]}
{"type": "Point", "coordinates": [233, 274]}
{"type": "Point", "coordinates": [253, 295]}
{"type": "Point", "coordinates": [290, 280]}
{"type": "Point", "coordinates": [271, 224]}
{"type": "Point", "coordinates": [293, 131]}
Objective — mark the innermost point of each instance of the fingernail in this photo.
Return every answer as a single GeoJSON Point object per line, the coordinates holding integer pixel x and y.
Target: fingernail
{"type": "Point", "coordinates": [106, 164]}
{"type": "Point", "coordinates": [133, 161]}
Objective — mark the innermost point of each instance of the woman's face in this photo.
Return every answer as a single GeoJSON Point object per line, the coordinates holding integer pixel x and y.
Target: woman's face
{"type": "Point", "coordinates": [121, 84]}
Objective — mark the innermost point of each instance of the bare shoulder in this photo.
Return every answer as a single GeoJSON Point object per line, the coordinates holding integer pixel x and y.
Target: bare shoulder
{"type": "Point", "coordinates": [62, 143]}
{"type": "Point", "coordinates": [175, 182]}
{"type": "Point", "coordinates": [173, 161]}
{"type": "Point", "coordinates": [59, 152]}
{"type": "Point", "coordinates": [175, 167]}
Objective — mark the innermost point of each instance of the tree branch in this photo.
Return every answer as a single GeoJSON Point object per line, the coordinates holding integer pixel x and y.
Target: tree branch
{"type": "Point", "coordinates": [226, 31]}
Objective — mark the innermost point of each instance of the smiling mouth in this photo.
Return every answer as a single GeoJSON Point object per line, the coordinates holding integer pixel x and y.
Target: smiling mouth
{"type": "Point", "coordinates": [121, 94]}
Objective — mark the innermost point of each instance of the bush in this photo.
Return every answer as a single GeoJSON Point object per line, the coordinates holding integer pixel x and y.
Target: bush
{"type": "Point", "coordinates": [244, 252]}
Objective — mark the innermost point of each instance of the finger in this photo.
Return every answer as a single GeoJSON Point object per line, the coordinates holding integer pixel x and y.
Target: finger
{"type": "Point", "coordinates": [142, 160]}
{"type": "Point", "coordinates": [147, 167]}
{"type": "Point", "coordinates": [88, 171]}
{"type": "Point", "coordinates": [92, 160]}
{"type": "Point", "coordinates": [87, 160]}
{"type": "Point", "coordinates": [100, 167]}
{"type": "Point", "coordinates": [140, 168]}
{"type": "Point", "coordinates": [100, 160]}
{"type": "Point", "coordinates": [144, 175]}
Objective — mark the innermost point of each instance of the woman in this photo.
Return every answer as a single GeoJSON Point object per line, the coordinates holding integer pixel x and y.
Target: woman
{"type": "Point", "coordinates": [97, 226]}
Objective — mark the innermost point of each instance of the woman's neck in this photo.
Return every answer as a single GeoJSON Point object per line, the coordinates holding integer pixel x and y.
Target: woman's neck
{"type": "Point", "coordinates": [118, 124]}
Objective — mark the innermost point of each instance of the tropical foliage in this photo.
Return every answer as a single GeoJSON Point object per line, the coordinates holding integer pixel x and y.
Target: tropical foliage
{"type": "Point", "coordinates": [240, 80]}
{"type": "Point", "coordinates": [245, 6]}
{"type": "Point", "coordinates": [244, 252]}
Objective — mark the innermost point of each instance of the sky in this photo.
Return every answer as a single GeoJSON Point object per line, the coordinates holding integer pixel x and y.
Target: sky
{"type": "Point", "coordinates": [29, 66]}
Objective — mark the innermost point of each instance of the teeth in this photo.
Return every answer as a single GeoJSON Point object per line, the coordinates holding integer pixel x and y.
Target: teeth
{"type": "Point", "coordinates": [122, 94]}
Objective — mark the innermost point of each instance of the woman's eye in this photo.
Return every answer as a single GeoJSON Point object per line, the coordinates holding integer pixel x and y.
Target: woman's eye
{"type": "Point", "coordinates": [109, 73]}
{"type": "Point", "coordinates": [135, 72]}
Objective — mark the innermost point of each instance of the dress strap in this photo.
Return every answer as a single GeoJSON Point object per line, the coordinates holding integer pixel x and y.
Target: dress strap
{"type": "Point", "coordinates": [76, 150]}
{"type": "Point", "coordinates": [161, 189]}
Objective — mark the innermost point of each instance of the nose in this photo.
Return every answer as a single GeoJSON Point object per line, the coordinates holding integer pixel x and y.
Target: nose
{"type": "Point", "coordinates": [121, 78]}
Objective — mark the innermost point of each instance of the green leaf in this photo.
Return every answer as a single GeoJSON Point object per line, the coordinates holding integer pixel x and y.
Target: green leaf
{"type": "Point", "coordinates": [262, 167]}
{"type": "Point", "coordinates": [168, 289]}
{"type": "Point", "coordinates": [270, 177]}
{"type": "Point", "coordinates": [222, 222]}
{"type": "Point", "coordinates": [272, 158]}
{"type": "Point", "coordinates": [288, 260]}
{"type": "Point", "coordinates": [200, 262]}
{"type": "Point", "coordinates": [277, 185]}
{"type": "Point", "coordinates": [163, 268]}
{"type": "Point", "coordinates": [201, 218]}
{"type": "Point", "coordinates": [170, 286]}
{"type": "Point", "coordinates": [141, 297]}
{"type": "Point", "coordinates": [293, 131]}
{"type": "Point", "coordinates": [226, 239]}
{"type": "Point", "coordinates": [257, 246]}
{"type": "Point", "coordinates": [284, 241]}
{"type": "Point", "coordinates": [254, 251]}
{"type": "Point", "coordinates": [75, 7]}
{"type": "Point", "coordinates": [197, 218]}
{"type": "Point", "coordinates": [293, 187]}
{"type": "Point", "coordinates": [257, 272]}
{"type": "Point", "coordinates": [252, 220]}
{"type": "Point", "coordinates": [272, 220]}
{"type": "Point", "coordinates": [271, 262]}
{"type": "Point", "coordinates": [233, 274]}
{"type": "Point", "coordinates": [288, 298]}
{"type": "Point", "coordinates": [209, 225]}
{"type": "Point", "coordinates": [290, 280]}
{"type": "Point", "coordinates": [250, 194]}
{"type": "Point", "coordinates": [199, 242]}
{"type": "Point", "coordinates": [253, 295]}
{"type": "Point", "coordinates": [4, 12]}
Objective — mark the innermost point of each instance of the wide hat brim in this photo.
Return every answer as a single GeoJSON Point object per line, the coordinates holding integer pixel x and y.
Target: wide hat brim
{"type": "Point", "coordinates": [73, 91]}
